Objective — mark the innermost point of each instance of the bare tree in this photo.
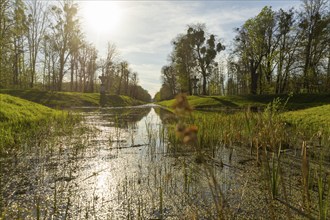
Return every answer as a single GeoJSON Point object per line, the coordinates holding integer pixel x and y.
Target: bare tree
{"type": "Point", "coordinates": [64, 29]}
{"type": "Point", "coordinates": [37, 24]}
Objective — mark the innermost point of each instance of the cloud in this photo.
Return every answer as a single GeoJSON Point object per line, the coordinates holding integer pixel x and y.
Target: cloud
{"type": "Point", "coordinates": [146, 29]}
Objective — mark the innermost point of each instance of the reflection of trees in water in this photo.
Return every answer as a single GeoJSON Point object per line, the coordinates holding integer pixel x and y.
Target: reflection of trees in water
{"type": "Point", "coordinates": [125, 117]}
{"type": "Point", "coordinates": [165, 115]}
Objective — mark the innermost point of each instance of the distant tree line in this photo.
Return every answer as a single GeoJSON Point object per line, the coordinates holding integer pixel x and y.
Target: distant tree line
{"type": "Point", "coordinates": [42, 46]}
{"type": "Point", "coordinates": [120, 78]}
{"type": "Point", "coordinates": [274, 52]}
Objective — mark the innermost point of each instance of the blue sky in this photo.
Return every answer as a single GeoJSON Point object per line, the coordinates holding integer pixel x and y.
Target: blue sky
{"type": "Point", "coordinates": [143, 30]}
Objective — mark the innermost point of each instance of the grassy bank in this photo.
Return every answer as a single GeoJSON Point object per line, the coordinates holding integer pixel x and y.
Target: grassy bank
{"type": "Point", "coordinates": [315, 119]}
{"type": "Point", "coordinates": [120, 100]}
{"type": "Point", "coordinates": [273, 127]}
{"type": "Point", "coordinates": [275, 124]}
{"type": "Point", "coordinates": [70, 99]}
{"type": "Point", "coordinates": [22, 121]}
{"type": "Point", "coordinates": [298, 101]}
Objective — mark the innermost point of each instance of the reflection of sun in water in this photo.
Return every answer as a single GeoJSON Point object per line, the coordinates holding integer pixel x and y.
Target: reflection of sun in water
{"type": "Point", "coordinates": [102, 16]}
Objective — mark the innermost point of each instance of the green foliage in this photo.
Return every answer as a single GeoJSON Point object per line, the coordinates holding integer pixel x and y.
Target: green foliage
{"type": "Point", "coordinates": [139, 93]}
{"type": "Point", "coordinates": [41, 43]}
{"type": "Point", "coordinates": [205, 50]}
{"type": "Point", "coordinates": [193, 54]}
{"type": "Point", "coordinates": [184, 62]}
{"type": "Point", "coordinates": [170, 84]}
{"type": "Point", "coordinates": [157, 97]}
{"type": "Point", "coordinates": [273, 46]}
{"type": "Point", "coordinates": [64, 35]}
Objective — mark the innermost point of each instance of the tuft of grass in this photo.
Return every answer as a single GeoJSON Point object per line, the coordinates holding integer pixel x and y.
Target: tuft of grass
{"type": "Point", "coordinates": [274, 176]}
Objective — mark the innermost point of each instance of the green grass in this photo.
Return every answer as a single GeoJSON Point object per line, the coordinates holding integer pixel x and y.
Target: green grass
{"type": "Point", "coordinates": [69, 99]}
{"type": "Point", "coordinates": [271, 127]}
{"type": "Point", "coordinates": [21, 120]}
{"type": "Point", "coordinates": [299, 101]}
{"type": "Point", "coordinates": [316, 118]}
{"type": "Point", "coordinates": [121, 100]}
{"type": "Point", "coordinates": [17, 110]}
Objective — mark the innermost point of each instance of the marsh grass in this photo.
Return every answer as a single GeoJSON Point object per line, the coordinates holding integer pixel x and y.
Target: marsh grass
{"type": "Point", "coordinates": [214, 165]}
{"type": "Point", "coordinates": [28, 128]}
{"type": "Point", "coordinates": [273, 173]}
{"type": "Point", "coordinates": [273, 138]}
{"type": "Point", "coordinates": [323, 189]}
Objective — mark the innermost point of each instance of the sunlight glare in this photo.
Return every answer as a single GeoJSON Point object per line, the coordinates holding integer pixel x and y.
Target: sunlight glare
{"type": "Point", "coordinates": [102, 16]}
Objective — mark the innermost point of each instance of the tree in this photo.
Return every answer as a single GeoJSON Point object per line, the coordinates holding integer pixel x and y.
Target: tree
{"type": "Point", "coordinates": [19, 29]}
{"type": "Point", "coordinates": [255, 45]}
{"type": "Point", "coordinates": [314, 38]}
{"type": "Point", "coordinates": [169, 78]}
{"type": "Point", "coordinates": [205, 50]}
{"type": "Point", "coordinates": [64, 29]}
{"type": "Point", "coordinates": [123, 71]}
{"type": "Point", "coordinates": [184, 62]}
{"type": "Point", "coordinates": [37, 23]}
{"type": "Point", "coordinates": [237, 75]}
{"type": "Point", "coordinates": [217, 79]}
{"type": "Point", "coordinates": [6, 25]}
{"type": "Point", "coordinates": [194, 52]}
{"type": "Point", "coordinates": [108, 66]}
{"type": "Point", "coordinates": [86, 58]}
{"type": "Point", "coordinates": [142, 94]}
{"type": "Point", "coordinates": [134, 84]}
{"type": "Point", "coordinates": [77, 43]}
{"type": "Point", "coordinates": [34, 37]}
{"type": "Point", "coordinates": [288, 44]}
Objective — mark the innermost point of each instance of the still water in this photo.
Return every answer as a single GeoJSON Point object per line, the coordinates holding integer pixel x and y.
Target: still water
{"type": "Point", "coordinates": [120, 167]}
{"type": "Point", "coordinates": [121, 163]}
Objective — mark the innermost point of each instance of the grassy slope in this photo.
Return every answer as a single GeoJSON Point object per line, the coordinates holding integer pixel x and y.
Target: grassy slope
{"type": "Point", "coordinates": [116, 100]}
{"type": "Point", "coordinates": [17, 110]}
{"type": "Point", "coordinates": [299, 101]}
{"type": "Point", "coordinates": [18, 116]}
{"type": "Point", "coordinates": [312, 112]}
{"type": "Point", "coordinates": [315, 118]}
{"type": "Point", "coordinates": [69, 99]}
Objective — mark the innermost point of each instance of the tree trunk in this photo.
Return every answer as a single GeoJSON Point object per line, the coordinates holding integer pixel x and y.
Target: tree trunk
{"type": "Point", "coordinates": [307, 63]}
{"type": "Point", "coordinates": [60, 77]}
{"type": "Point", "coordinates": [119, 86]}
{"type": "Point", "coordinates": [260, 77]}
{"type": "Point", "coordinates": [72, 73]}
{"type": "Point", "coordinates": [204, 84]}
{"type": "Point", "coordinates": [254, 79]}
{"type": "Point", "coordinates": [328, 74]}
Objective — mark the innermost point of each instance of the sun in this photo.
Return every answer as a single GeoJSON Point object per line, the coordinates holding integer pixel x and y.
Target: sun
{"type": "Point", "coordinates": [102, 16]}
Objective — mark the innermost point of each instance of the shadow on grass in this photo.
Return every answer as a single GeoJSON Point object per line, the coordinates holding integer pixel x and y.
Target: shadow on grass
{"type": "Point", "coordinates": [225, 103]}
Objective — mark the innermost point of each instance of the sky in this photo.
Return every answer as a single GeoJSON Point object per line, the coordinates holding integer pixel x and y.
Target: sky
{"type": "Point", "coordinates": [143, 30]}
